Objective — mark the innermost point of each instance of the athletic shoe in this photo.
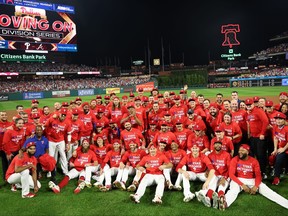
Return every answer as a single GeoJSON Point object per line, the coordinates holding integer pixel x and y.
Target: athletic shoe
{"type": "Point", "coordinates": [169, 185]}
{"type": "Point", "coordinates": [178, 187]}
{"type": "Point", "coordinates": [222, 203]}
{"type": "Point", "coordinates": [276, 181]}
{"type": "Point", "coordinates": [198, 196]}
{"type": "Point", "coordinates": [189, 197]}
{"type": "Point", "coordinates": [88, 184]}
{"type": "Point", "coordinates": [55, 188]}
{"type": "Point", "coordinates": [215, 200]}
{"type": "Point", "coordinates": [29, 195]}
{"type": "Point", "coordinates": [120, 185]}
{"type": "Point", "coordinates": [13, 188]}
{"type": "Point", "coordinates": [98, 185]}
{"type": "Point", "coordinates": [134, 198]}
{"type": "Point", "coordinates": [136, 183]}
{"type": "Point", "coordinates": [157, 200]}
{"type": "Point", "coordinates": [48, 175]}
{"type": "Point", "coordinates": [79, 188]}
{"type": "Point", "coordinates": [264, 176]}
{"type": "Point", "coordinates": [204, 199]}
{"type": "Point", "coordinates": [132, 188]}
{"type": "Point", "coordinates": [105, 188]}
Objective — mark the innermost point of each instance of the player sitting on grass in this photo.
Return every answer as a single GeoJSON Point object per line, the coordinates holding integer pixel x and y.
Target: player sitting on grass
{"type": "Point", "coordinates": [78, 163]}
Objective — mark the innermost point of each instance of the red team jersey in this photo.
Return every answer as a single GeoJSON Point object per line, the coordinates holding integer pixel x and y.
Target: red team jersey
{"type": "Point", "coordinates": [154, 162]}
{"type": "Point", "coordinates": [113, 158]}
{"type": "Point", "coordinates": [134, 134]}
{"type": "Point", "coordinates": [227, 144]}
{"type": "Point", "coordinates": [76, 130]}
{"type": "Point", "coordinates": [20, 162]}
{"type": "Point", "coordinates": [88, 120]}
{"type": "Point", "coordinates": [3, 126]}
{"type": "Point", "coordinates": [82, 159]}
{"type": "Point", "coordinates": [133, 158]}
{"type": "Point", "coordinates": [175, 157]}
{"type": "Point", "coordinates": [57, 130]}
{"type": "Point", "coordinates": [182, 137]}
{"type": "Point", "coordinates": [201, 141]}
{"type": "Point", "coordinates": [13, 140]}
{"type": "Point", "coordinates": [196, 165]}
{"type": "Point", "coordinates": [220, 162]}
{"type": "Point", "coordinates": [167, 136]}
{"type": "Point", "coordinates": [258, 122]}
{"type": "Point", "coordinates": [248, 169]}
{"type": "Point", "coordinates": [281, 134]}
{"type": "Point", "coordinates": [231, 130]}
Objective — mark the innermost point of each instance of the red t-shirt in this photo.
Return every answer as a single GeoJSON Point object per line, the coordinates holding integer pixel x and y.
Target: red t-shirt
{"type": "Point", "coordinates": [113, 158]}
{"type": "Point", "coordinates": [133, 158]}
{"type": "Point", "coordinates": [227, 144]}
{"type": "Point", "coordinates": [3, 126]}
{"type": "Point", "coordinates": [197, 165]}
{"type": "Point", "coordinates": [281, 134]}
{"type": "Point", "coordinates": [201, 141]}
{"type": "Point", "coordinates": [88, 120]}
{"type": "Point", "coordinates": [133, 134]}
{"type": "Point", "coordinates": [84, 158]}
{"type": "Point", "coordinates": [220, 162]}
{"type": "Point", "coordinates": [57, 130]}
{"type": "Point", "coordinates": [182, 137]}
{"type": "Point", "coordinates": [155, 162]}
{"type": "Point", "coordinates": [13, 140]}
{"type": "Point", "coordinates": [175, 157]}
{"type": "Point", "coordinates": [232, 130]}
{"type": "Point", "coordinates": [77, 128]}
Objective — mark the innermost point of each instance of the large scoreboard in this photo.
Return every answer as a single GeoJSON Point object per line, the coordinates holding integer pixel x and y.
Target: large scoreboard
{"type": "Point", "coordinates": [37, 26]}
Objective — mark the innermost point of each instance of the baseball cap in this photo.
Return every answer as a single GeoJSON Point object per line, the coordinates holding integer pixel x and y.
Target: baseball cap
{"type": "Point", "coordinates": [172, 93]}
{"type": "Point", "coordinates": [217, 142]}
{"type": "Point", "coordinates": [256, 99]}
{"type": "Point", "coordinates": [75, 111]}
{"type": "Point", "coordinates": [280, 115]}
{"type": "Point", "coordinates": [63, 111]}
{"type": "Point", "coordinates": [163, 123]}
{"type": "Point", "coordinates": [140, 89]}
{"type": "Point", "coordinates": [132, 141]}
{"type": "Point", "coordinates": [198, 127]}
{"type": "Point", "coordinates": [30, 144]}
{"type": "Point", "coordinates": [137, 98]}
{"type": "Point", "coordinates": [190, 111]}
{"type": "Point", "coordinates": [65, 104]}
{"type": "Point", "coordinates": [177, 97]}
{"type": "Point", "coordinates": [151, 145]}
{"type": "Point", "coordinates": [98, 97]}
{"type": "Point", "coordinates": [152, 122]}
{"type": "Point", "coordinates": [245, 146]}
{"type": "Point", "coordinates": [269, 103]}
{"type": "Point", "coordinates": [85, 104]}
{"type": "Point", "coordinates": [124, 97]}
{"type": "Point", "coordinates": [131, 95]}
{"type": "Point", "coordinates": [213, 105]}
{"type": "Point", "coordinates": [130, 105]}
{"type": "Point", "coordinates": [112, 121]}
{"type": "Point", "coordinates": [283, 93]}
{"type": "Point", "coordinates": [166, 100]}
{"type": "Point", "coordinates": [72, 102]}
{"type": "Point", "coordinates": [160, 95]}
{"type": "Point", "coordinates": [35, 101]}
{"type": "Point", "coordinates": [181, 91]}
{"type": "Point", "coordinates": [100, 110]}
{"type": "Point", "coordinates": [145, 99]}
{"type": "Point", "coordinates": [191, 99]}
{"type": "Point", "coordinates": [116, 141]}
{"type": "Point", "coordinates": [167, 113]}
{"type": "Point", "coordinates": [249, 101]}
{"type": "Point", "coordinates": [163, 141]}
{"type": "Point", "coordinates": [178, 121]}
{"type": "Point", "coordinates": [107, 97]}
{"type": "Point", "coordinates": [35, 116]}
{"type": "Point", "coordinates": [219, 129]}
{"type": "Point", "coordinates": [78, 99]}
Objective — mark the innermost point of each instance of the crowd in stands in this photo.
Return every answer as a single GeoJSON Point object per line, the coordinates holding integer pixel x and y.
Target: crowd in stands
{"type": "Point", "coordinates": [275, 49]}
{"type": "Point", "coordinates": [44, 67]}
{"type": "Point", "coordinates": [86, 83]}
{"type": "Point", "coordinates": [266, 73]}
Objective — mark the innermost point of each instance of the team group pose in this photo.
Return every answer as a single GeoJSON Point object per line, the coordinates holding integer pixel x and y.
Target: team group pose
{"type": "Point", "coordinates": [133, 142]}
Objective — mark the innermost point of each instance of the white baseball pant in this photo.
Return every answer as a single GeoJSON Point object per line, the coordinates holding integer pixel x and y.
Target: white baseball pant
{"type": "Point", "coordinates": [73, 147]}
{"type": "Point", "coordinates": [263, 189]}
{"type": "Point", "coordinates": [167, 175]}
{"type": "Point", "coordinates": [25, 179]}
{"type": "Point", "coordinates": [109, 172]}
{"type": "Point", "coordinates": [60, 147]}
{"type": "Point", "coordinates": [214, 183]}
{"type": "Point", "coordinates": [93, 169]}
{"type": "Point", "coordinates": [148, 180]}
{"type": "Point", "coordinates": [73, 173]}
{"type": "Point", "coordinates": [192, 177]}
{"type": "Point", "coordinates": [131, 171]}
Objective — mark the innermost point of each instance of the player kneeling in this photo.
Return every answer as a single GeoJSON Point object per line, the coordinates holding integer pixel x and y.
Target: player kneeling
{"type": "Point", "coordinates": [83, 159]}
{"type": "Point", "coordinates": [155, 163]}
{"type": "Point", "coordinates": [19, 171]}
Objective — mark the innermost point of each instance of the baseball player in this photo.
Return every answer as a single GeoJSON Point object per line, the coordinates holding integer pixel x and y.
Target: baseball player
{"type": "Point", "coordinates": [245, 175]}
{"type": "Point", "coordinates": [82, 159]}
{"type": "Point", "coordinates": [19, 171]}
{"type": "Point", "coordinates": [197, 164]}
{"type": "Point", "coordinates": [153, 164]}
{"type": "Point", "coordinates": [220, 160]}
{"type": "Point", "coordinates": [227, 144]}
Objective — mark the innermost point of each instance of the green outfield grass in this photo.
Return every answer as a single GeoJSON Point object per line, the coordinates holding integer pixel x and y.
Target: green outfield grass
{"type": "Point", "coordinates": [208, 93]}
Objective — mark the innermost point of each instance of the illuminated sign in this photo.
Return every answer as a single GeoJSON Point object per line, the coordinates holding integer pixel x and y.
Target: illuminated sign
{"type": "Point", "coordinates": [231, 55]}
{"type": "Point", "coordinates": [156, 61]}
{"type": "Point", "coordinates": [23, 57]}
{"type": "Point", "coordinates": [230, 32]}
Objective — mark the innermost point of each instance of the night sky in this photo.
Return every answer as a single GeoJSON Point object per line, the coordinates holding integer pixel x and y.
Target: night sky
{"type": "Point", "coordinates": [109, 29]}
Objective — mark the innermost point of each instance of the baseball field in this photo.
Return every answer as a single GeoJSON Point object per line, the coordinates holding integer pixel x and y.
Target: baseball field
{"type": "Point", "coordinates": [93, 202]}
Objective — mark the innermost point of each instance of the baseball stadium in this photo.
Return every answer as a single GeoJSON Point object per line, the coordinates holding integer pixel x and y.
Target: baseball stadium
{"type": "Point", "coordinates": [159, 135]}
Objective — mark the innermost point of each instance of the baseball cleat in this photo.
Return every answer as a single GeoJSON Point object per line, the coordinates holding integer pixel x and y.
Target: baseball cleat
{"type": "Point", "coordinates": [215, 200]}
{"type": "Point", "coordinates": [276, 181]}
{"type": "Point", "coordinates": [178, 187]}
{"type": "Point", "coordinates": [98, 185]}
{"type": "Point", "coordinates": [204, 199]}
{"type": "Point", "coordinates": [131, 188]}
{"type": "Point", "coordinates": [29, 195]}
{"type": "Point", "coordinates": [222, 203]}
{"type": "Point", "coordinates": [189, 197]}
{"type": "Point", "coordinates": [198, 196]}
{"type": "Point", "coordinates": [105, 188]}
{"type": "Point", "coordinates": [134, 198]}
{"type": "Point", "coordinates": [157, 200]}
{"type": "Point", "coordinates": [121, 185]}
{"type": "Point", "coordinates": [55, 188]}
{"type": "Point", "coordinates": [79, 188]}
{"type": "Point", "coordinates": [88, 184]}
{"type": "Point", "coordinates": [13, 188]}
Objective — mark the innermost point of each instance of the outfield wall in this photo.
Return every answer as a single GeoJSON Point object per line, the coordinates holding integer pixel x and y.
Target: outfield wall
{"type": "Point", "coordinates": [74, 92]}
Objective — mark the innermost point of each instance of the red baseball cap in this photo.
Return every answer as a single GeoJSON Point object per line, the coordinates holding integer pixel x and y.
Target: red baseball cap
{"type": "Point", "coordinates": [255, 99]}
{"type": "Point", "coordinates": [100, 110]}
{"type": "Point", "coordinates": [198, 127]}
{"type": "Point", "coordinates": [116, 141]}
{"type": "Point", "coordinates": [283, 93]}
{"type": "Point", "coordinates": [125, 97]}
{"type": "Point", "coordinates": [166, 100]}
{"type": "Point", "coordinates": [163, 123]}
{"type": "Point", "coordinates": [99, 124]}
{"type": "Point", "coordinates": [137, 98]}
{"type": "Point", "coordinates": [30, 144]}
{"type": "Point", "coordinates": [131, 95]}
{"type": "Point", "coordinates": [98, 97]}
{"type": "Point", "coordinates": [172, 93]}
{"type": "Point", "coordinates": [63, 111]}
{"type": "Point", "coordinates": [176, 97]}
{"type": "Point", "coordinates": [280, 115]}
{"type": "Point", "coordinates": [140, 89]}
{"type": "Point", "coordinates": [145, 99]}
{"type": "Point", "coordinates": [163, 141]}
{"type": "Point", "coordinates": [245, 146]}
{"type": "Point", "coordinates": [35, 101]}
{"type": "Point", "coordinates": [75, 111]}
{"type": "Point", "coordinates": [269, 103]}
{"type": "Point", "coordinates": [84, 104]}
{"type": "Point", "coordinates": [65, 104]}
{"type": "Point", "coordinates": [130, 105]}
{"type": "Point", "coordinates": [160, 95]}
{"type": "Point", "coordinates": [152, 122]}
{"type": "Point", "coordinates": [167, 113]}
{"type": "Point", "coordinates": [249, 101]}
{"type": "Point", "coordinates": [78, 99]}
{"type": "Point", "coordinates": [72, 102]}
{"type": "Point", "coordinates": [213, 105]}
{"type": "Point", "coordinates": [107, 97]}
{"type": "Point", "coordinates": [112, 121]}
{"type": "Point", "coordinates": [35, 115]}
{"type": "Point", "coordinates": [179, 121]}
{"type": "Point", "coordinates": [181, 91]}
{"type": "Point", "coordinates": [219, 129]}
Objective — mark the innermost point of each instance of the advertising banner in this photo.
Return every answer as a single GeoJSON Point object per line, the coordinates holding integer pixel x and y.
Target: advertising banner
{"type": "Point", "coordinates": [112, 90]}
{"type": "Point", "coordinates": [85, 92]}
{"type": "Point", "coordinates": [4, 97]}
{"type": "Point", "coordinates": [147, 87]}
{"type": "Point", "coordinates": [32, 95]}
{"type": "Point", "coordinates": [58, 94]}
